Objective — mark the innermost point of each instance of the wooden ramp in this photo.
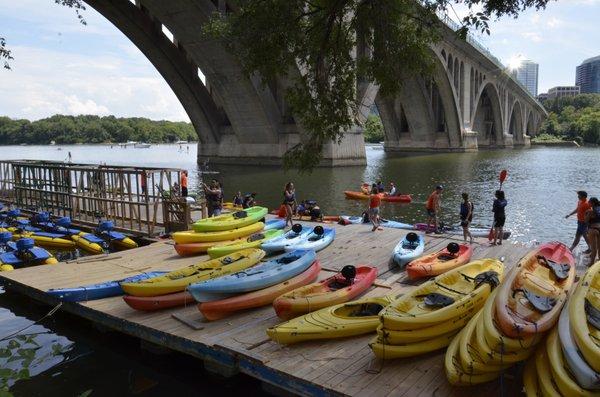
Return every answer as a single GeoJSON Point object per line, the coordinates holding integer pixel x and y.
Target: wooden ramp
{"type": "Point", "coordinates": [239, 343]}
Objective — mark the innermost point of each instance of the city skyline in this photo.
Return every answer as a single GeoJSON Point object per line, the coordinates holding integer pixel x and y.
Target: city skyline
{"type": "Point", "coordinates": [61, 66]}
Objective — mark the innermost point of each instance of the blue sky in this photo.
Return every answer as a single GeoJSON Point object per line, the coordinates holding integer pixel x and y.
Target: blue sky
{"type": "Point", "coordinates": [64, 67]}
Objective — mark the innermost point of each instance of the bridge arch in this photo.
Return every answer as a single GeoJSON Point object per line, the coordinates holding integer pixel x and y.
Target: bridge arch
{"type": "Point", "coordinates": [515, 123]}
{"type": "Point", "coordinates": [487, 117]}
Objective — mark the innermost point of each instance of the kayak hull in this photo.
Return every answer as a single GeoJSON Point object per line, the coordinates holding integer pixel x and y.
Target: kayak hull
{"type": "Point", "coordinates": [403, 198]}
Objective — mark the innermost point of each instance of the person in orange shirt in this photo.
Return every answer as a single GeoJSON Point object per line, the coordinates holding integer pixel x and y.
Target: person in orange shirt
{"type": "Point", "coordinates": [374, 203]}
{"type": "Point", "coordinates": [580, 210]}
{"type": "Point", "coordinates": [184, 183]}
{"type": "Point", "coordinates": [433, 207]}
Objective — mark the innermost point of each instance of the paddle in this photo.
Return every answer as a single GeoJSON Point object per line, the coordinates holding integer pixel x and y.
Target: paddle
{"type": "Point", "coordinates": [502, 178]}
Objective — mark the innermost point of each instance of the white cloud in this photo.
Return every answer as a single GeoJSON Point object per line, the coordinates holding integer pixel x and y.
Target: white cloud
{"type": "Point", "coordinates": [88, 106]}
{"type": "Point", "coordinates": [533, 36]}
{"type": "Point", "coordinates": [554, 22]}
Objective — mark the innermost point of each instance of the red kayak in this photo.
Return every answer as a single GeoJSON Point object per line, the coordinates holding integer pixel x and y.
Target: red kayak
{"type": "Point", "coordinates": [222, 308]}
{"type": "Point", "coordinates": [152, 303]}
{"type": "Point", "coordinates": [401, 198]}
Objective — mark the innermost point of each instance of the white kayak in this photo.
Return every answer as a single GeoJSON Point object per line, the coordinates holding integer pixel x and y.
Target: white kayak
{"type": "Point", "coordinates": [291, 237]}
{"type": "Point", "coordinates": [409, 248]}
{"type": "Point", "coordinates": [316, 240]}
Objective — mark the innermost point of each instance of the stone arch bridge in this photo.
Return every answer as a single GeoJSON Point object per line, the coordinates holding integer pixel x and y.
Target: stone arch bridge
{"type": "Point", "coordinates": [470, 103]}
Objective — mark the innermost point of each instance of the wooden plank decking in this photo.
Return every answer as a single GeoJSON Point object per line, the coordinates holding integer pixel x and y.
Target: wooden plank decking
{"type": "Point", "coordinates": [239, 343]}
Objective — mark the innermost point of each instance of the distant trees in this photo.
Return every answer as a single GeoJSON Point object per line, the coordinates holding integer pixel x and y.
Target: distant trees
{"type": "Point", "coordinates": [373, 129]}
{"type": "Point", "coordinates": [93, 129]}
{"type": "Point", "coordinates": [574, 118]}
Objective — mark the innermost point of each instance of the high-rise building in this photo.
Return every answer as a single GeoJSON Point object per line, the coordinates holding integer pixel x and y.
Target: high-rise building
{"type": "Point", "coordinates": [527, 74]}
{"type": "Point", "coordinates": [588, 76]}
{"type": "Point", "coordinates": [562, 91]}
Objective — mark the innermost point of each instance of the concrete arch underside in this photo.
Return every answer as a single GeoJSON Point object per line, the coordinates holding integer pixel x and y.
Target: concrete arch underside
{"type": "Point", "coordinates": [487, 117]}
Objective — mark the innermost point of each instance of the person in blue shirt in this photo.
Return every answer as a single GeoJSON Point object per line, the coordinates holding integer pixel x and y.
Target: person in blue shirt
{"type": "Point", "coordinates": [498, 208]}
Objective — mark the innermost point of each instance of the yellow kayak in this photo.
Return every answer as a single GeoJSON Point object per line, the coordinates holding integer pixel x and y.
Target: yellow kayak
{"type": "Point", "coordinates": [547, 385]}
{"type": "Point", "coordinates": [45, 240]}
{"type": "Point", "coordinates": [178, 280]}
{"type": "Point", "coordinates": [88, 242]}
{"type": "Point", "coordinates": [191, 236]}
{"type": "Point", "coordinates": [124, 244]}
{"type": "Point", "coordinates": [584, 301]}
{"type": "Point", "coordinates": [445, 297]}
{"type": "Point", "coordinates": [347, 319]}
{"type": "Point", "coordinates": [6, 268]}
{"type": "Point", "coordinates": [252, 241]}
{"type": "Point", "coordinates": [233, 220]}
{"type": "Point", "coordinates": [530, 380]}
{"type": "Point", "coordinates": [387, 352]}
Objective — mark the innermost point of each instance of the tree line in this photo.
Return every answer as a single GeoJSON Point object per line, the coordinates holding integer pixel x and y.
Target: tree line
{"type": "Point", "coordinates": [92, 129]}
{"type": "Point", "coordinates": [574, 118]}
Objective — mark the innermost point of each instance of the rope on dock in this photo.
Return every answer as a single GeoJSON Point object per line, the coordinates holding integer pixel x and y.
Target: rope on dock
{"type": "Point", "coordinates": [49, 314]}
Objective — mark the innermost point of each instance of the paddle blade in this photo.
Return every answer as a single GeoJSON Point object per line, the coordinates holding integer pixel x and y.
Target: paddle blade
{"type": "Point", "coordinates": [503, 175]}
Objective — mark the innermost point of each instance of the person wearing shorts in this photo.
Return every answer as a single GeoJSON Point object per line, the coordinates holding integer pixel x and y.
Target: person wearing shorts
{"type": "Point", "coordinates": [374, 203]}
{"type": "Point", "coordinates": [433, 207]}
{"type": "Point", "coordinates": [582, 227]}
{"type": "Point", "coordinates": [466, 216]}
{"type": "Point", "coordinates": [498, 208]}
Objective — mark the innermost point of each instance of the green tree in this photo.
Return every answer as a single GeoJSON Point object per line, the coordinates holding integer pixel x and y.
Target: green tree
{"type": "Point", "coordinates": [373, 129]}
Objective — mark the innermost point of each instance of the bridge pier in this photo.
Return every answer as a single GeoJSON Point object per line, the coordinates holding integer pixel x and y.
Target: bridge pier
{"type": "Point", "coordinates": [229, 150]}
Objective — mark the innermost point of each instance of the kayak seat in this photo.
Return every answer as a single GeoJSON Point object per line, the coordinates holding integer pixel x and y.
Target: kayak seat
{"type": "Point", "coordinates": [366, 310]}
{"type": "Point", "coordinates": [256, 237]}
{"type": "Point", "coordinates": [542, 304]}
{"type": "Point", "coordinates": [593, 314]}
{"type": "Point", "coordinates": [288, 259]}
{"type": "Point", "coordinates": [297, 228]}
{"type": "Point", "coordinates": [115, 235]}
{"type": "Point", "coordinates": [315, 238]}
{"type": "Point", "coordinates": [490, 277]}
{"type": "Point", "coordinates": [446, 257]}
{"type": "Point", "coordinates": [436, 300]}
{"type": "Point", "coordinates": [9, 258]}
{"type": "Point", "coordinates": [92, 238]}
{"type": "Point", "coordinates": [5, 237]}
{"type": "Point", "coordinates": [240, 215]}
{"type": "Point", "coordinates": [560, 270]}
{"type": "Point", "coordinates": [38, 254]}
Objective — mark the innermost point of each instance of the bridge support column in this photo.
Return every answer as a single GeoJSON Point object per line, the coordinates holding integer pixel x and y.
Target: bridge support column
{"type": "Point", "coordinates": [351, 151]}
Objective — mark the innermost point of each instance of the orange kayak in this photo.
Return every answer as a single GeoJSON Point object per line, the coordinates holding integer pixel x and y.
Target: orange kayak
{"type": "Point", "coordinates": [334, 290]}
{"type": "Point", "coordinates": [326, 218]}
{"type": "Point", "coordinates": [152, 303]}
{"type": "Point", "coordinates": [439, 262]}
{"type": "Point", "coordinates": [215, 310]}
{"type": "Point", "coordinates": [401, 198]}
{"type": "Point", "coordinates": [191, 249]}
{"type": "Point", "coordinates": [532, 296]}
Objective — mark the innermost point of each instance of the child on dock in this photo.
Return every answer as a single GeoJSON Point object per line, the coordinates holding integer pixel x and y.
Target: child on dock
{"type": "Point", "coordinates": [374, 204]}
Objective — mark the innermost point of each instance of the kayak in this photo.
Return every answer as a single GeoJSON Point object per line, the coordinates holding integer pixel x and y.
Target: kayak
{"type": "Point", "coordinates": [160, 302]}
{"type": "Point", "coordinates": [343, 320]}
{"type": "Point", "coordinates": [252, 241]}
{"type": "Point", "coordinates": [530, 300]}
{"type": "Point", "coordinates": [280, 213]}
{"type": "Point", "coordinates": [234, 220]}
{"type": "Point", "coordinates": [383, 222]}
{"type": "Point", "coordinates": [44, 239]}
{"type": "Point", "coordinates": [191, 236]}
{"type": "Point", "coordinates": [402, 198]}
{"type": "Point", "coordinates": [316, 240]}
{"type": "Point", "coordinates": [89, 243]}
{"type": "Point", "coordinates": [25, 254]}
{"type": "Point", "coordinates": [451, 257]}
{"type": "Point", "coordinates": [275, 223]}
{"type": "Point", "coordinates": [445, 297]}
{"type": "Point", "coordinates": [178, 280]}
{"type": "Point", "coordinates": [583, 313]}
{"type": "Point", "coordinates": [339, 288]}
{"type": "Point", "coordinates": [98, 291]}
{"type": "Point", "coordinates": [458, 231]}
{"type": "Point", "coordinates": [387, 352]}
{"type": "Point", "coordinates": [289, 238]}
{"type": "Point", "coordinates": [225, 307]}
{"type": "Point", "coordinates": [530, 380]}
{"type": "Point", "coordinates": [117, 240]}
{"type": "Point", "coordinates": [542, 363]}
{"type": "Point", "coordinates": [409, 248]}
{"type": "Point", "coordinates": [585, 375]}
{"type": "Point", "coordinates": [260, 276]}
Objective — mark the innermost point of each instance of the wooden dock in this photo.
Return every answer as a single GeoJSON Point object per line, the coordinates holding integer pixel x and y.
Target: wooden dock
{"type": "Point", "coordinates": [239, 343]}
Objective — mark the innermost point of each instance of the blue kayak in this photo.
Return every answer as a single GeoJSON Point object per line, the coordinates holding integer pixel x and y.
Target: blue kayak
{"type": "Point", "coordinates": [316, 240]}
{"type": "Point", "coordinates": [257, 277]}
{"type": "Point", "coordinates": [100, 290]}
{"type": "Point", "coordinates": [409, 248]}
{"type": "Point", "coordinates": [383, 222]}
{"type": "Point", "coordinates": [22, 253]}
{"type": "Point", "coordinates": [274, 224]}
{"type": "Point", "coordinates": [289, 238]}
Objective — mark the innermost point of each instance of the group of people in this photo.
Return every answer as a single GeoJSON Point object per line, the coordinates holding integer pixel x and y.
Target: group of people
{"type": "Point", "coordinates": [308, 208]}
{"type": "Point", "coordinates": [370, 189]}
{"type": "Point", "coordinates": [588, 224]}
{"type": "Point", "coordinates": [246, 201]}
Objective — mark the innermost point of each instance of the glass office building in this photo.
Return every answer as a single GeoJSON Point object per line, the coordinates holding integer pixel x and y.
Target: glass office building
{"type": "Point", "coordinates": [588, 76]}
{"type": "Point", "coordinates": [527, 74]}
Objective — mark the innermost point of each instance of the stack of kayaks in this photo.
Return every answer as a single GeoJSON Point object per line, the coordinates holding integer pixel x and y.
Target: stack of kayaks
{"type": "Point", "coordinates": [252, 241]}
{"type": "Point", "coordinates": [451, 257]}
{"type": "Point", "coordinates": [515, 318]}
{"type": "Point", "coordinates": [262, 275]}
{"type": "Point", "coordinates": [408, 249]}
{"type": "Point", "coordinates": [25, 254]}
{"type": "Point", "coordinates": [427, 318]}
{"type": "Point", "coordinates": [301, 237]}
{"type": "Point", "coordinates": [402, 198]}
{"type": "Point", "coordinates": [338, 321]}
{"type": "Point", "coordinates": [568, 364]}
{"type": "Point", "coordinates": [339, 288]}
{"type": "Point", "coordinates": [234, 220]}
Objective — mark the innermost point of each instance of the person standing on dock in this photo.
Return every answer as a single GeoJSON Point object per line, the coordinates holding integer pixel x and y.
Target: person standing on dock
{"type": "Point", "coordinates": [184, 183]}
{"type": "Point", "coordinates": [214, 198]}
{"type": "Point", "coordinates": [289, 201]}
{"type": "Point", "coordinates": [433, 207]}
{"type": "Point", "coordinates": [374, 204]}
{"type": "Point", "coordinates": [466, 216]}
{"type": "Point", "coordinates": [592, 219]}
{"type": "Point", "coordinates": [582, 207]}
{"type": "Point", "coordinates": [498, 208]}
{"type": "Point", "coordinates": [143, 181]}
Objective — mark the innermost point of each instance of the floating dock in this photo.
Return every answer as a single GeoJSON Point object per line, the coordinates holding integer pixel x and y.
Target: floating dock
{"type": "Point", "coordinates": [239, 343]}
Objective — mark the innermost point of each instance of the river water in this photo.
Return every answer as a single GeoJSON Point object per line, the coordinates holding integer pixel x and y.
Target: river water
{"type": "Point", "coordinates": [540, 189]}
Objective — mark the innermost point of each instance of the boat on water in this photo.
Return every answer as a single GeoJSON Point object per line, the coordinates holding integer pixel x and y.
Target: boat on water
{"type": "Point", "coordinates": [141, 145]}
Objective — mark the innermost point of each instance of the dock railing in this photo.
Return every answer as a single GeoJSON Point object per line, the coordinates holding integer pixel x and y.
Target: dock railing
{"type": "Point", "coordinates": [132, 197]}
